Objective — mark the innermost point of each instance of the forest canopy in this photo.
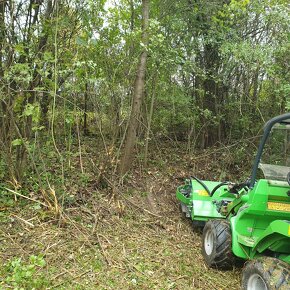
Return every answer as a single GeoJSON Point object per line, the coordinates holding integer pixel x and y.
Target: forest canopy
{"type": "Point", "coordinates": [202, 72]}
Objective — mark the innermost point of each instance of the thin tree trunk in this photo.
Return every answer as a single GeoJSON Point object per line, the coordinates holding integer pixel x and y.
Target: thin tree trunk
{"type": "Point", "coordinates": [137, 97]}
{"type": "Point", "coordinates": [149, 123]}
{"type": "Point", "coordinates": [86, 131]}
{"type": "Point", "coordinates": [2, 37]}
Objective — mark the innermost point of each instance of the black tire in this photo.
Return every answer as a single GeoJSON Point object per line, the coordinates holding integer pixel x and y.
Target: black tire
{"type": "Point", "coordinates": [217, 244]}
{"type": "Point", "coordinates": [266, 274]}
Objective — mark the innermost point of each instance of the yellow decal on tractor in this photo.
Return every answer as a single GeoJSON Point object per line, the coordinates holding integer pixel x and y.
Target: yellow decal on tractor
{"type": "Point", "coordinates": [279, 206]}
{"type": "Point", "coordinates": [288, 230]}
{"type": "Point", "coordinates": [201, 192]}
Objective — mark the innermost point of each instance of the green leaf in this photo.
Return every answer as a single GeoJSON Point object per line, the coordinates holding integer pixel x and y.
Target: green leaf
{"type": "Point", "coordinates": [32, 110]}
{"type": "Point", "coordinates": [17, 142]}
{"type": "Point", "coordinates": [28, 111]}
{"type": "Point", "coordinates": [36, 128]}
{"type": "Point", "coordinates": [47, 56]}
{"type": "Point", "coordinates": [80, 41]}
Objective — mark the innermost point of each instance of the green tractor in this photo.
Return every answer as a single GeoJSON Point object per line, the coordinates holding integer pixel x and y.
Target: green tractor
{"type": "Point", "coordinates": [250, 220]}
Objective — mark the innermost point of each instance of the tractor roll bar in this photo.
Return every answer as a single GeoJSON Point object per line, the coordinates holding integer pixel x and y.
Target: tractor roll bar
{"type": "Point", "coordinates": [285, 118]}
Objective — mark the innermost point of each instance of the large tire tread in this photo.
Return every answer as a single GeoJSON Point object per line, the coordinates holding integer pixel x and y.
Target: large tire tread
{"type": "Point", "coordinates": [274, 272]}
{"type": "Point", "coordinates": [222, 256]}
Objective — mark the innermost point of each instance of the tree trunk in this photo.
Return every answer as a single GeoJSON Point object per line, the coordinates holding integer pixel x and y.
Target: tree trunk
{"type": "Point", "coordinates": [2, 37]}
{"type": "Point", "coordinates": [149, 121]}
{"type": "Point", "coordinates": [86, 130]}
{"type": "Point", "coordinates": [138, 93]}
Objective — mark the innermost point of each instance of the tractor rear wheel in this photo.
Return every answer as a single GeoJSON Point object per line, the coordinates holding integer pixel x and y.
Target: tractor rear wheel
{"type": "Point", "coordinates": [266, 274]}
{"type": "Point", "coordinates": [217, 244]}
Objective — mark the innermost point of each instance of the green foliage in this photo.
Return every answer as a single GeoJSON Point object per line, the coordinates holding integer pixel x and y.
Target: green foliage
{"type": "Point", "coordinates": [6, 201]}
{"type": "Point", "coordinates": [20, 275]}
{"type": "Point", "coordinates": [20, 73]}
{"type": "Point", "coordinates": [2, 168]}
{"type": "Point", "coordinates": [16, 142]}
{"type": "Point", "coordinates": [216, 71]}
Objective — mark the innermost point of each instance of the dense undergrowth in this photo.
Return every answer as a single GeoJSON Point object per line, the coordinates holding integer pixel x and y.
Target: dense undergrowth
{"type": "Point", "coordinates": [106, 234]}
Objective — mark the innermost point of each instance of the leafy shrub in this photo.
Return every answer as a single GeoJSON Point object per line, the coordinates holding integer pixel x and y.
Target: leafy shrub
{"type": "Point", "coordinates": [22, 275]}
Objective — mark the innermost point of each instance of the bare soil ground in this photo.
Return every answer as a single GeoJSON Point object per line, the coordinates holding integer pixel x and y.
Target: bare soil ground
{"type": "Point", "coordinates": [132, 237]}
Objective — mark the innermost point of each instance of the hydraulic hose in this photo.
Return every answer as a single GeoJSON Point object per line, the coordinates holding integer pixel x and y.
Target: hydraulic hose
{"type": "Point", "coordinates": [210, 193]}
{"type": "Point", "coordinates": [202, 184]}
{"type": "Point", "coordinates": [217, 187]}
